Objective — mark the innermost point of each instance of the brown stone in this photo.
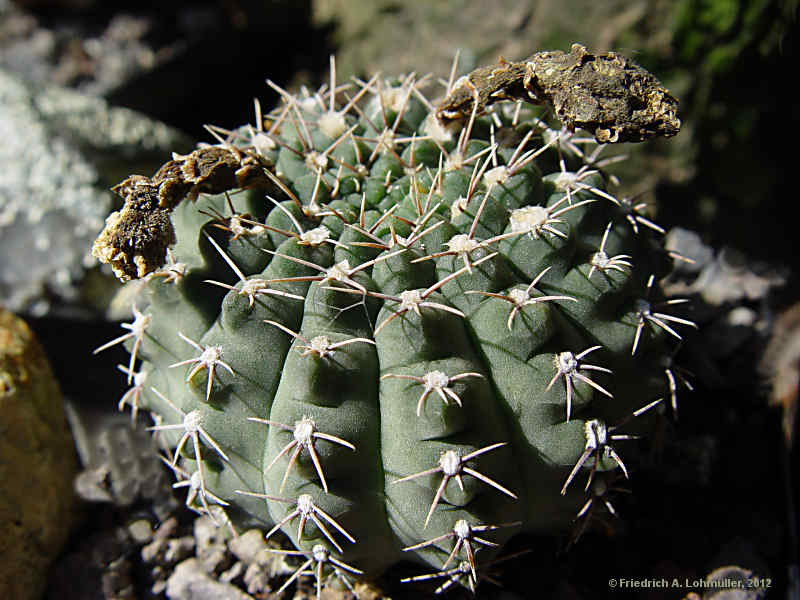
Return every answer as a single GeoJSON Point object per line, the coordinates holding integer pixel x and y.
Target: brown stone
{"type": "Point", "coordinates": [37, 463]}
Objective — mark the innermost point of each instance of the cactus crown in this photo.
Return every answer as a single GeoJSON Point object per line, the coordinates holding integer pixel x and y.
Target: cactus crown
{"type": "Point", "coordinates": [414, 341]}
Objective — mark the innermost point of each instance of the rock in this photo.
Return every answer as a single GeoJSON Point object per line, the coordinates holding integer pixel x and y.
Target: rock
{"type": "Point", "coordinates": [179, 549]}
{"type": "Point", "coordinates": [37, 464]}
{"type": "Point", "coordinates": [732, 278]}
{"type": "Point", "coordinates": [732, 582]}
{"type": "Point", "coordinates": [160, 59]}
{"type": "Point", "coordinates": [154, 551]}
{"type": "Point", "coordinates": [250, 547]}
{"type": "Point", "coordinates": [731, 293]}
{"type": "Point", "coordinates": [780, 365]}
{"type": "Point", "coordinates": [141, 530]}
{"type": "Point", "coordinates": [231, 574]}
{"type": "Point", "coordinates": [256, 578]}
{"type": "Point", "coordinates": [190, 582]}
{"type": "Point", "coordinates": [120, 460]}
{"type": "Point", "coordinates": [61, 152]}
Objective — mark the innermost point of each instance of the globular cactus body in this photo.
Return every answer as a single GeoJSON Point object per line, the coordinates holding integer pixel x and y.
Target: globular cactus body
{"type": "Point", "coordinates": [420, 337]}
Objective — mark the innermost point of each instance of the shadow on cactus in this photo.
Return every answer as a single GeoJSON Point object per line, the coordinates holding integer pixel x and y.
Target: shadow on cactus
{"type": "Point", "coordinates": [408, 331]}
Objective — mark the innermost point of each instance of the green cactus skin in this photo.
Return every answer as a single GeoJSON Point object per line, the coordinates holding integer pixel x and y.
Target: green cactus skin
{"type": "Point", "coordinates": [422, 334]}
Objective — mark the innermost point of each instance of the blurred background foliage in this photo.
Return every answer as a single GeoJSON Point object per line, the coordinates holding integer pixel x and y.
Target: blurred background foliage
{"type": "Point", "coordinates": [731, 63]}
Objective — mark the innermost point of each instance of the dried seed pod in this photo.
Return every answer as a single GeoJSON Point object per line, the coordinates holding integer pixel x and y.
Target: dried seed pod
{"type": "Point", "coordinates": [606, 94]}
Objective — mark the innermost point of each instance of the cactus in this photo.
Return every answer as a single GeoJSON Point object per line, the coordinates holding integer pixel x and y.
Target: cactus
{"type": "Point", "coordinates": [414, 344]}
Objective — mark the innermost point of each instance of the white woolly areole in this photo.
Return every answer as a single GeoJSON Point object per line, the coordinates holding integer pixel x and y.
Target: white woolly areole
{"type": "Point", "coordinates": [458, 207]}
{"type": "Point", "coordinates": [566, 362]}
{"type": "Point", "coordinates": [450, 462]}
{"type": "Point", "coordinates": [305, 504]}
{"type": "Point", "coordinates": [385, 141]}
{"type": "Point", "coordinates": [251, 287]}
{"type": "Point", "coordinates": [320, 345]}
{"type": "Point", "coordinates": [237, 227]}
{"type": "Point", "coordinates": [529, 219]}
{"type": "Point", "coordinates": [565, 181]}
{"type": "Point", "coordinates": [192, 421]}
{"type": "Point", "coordinates": [462, 244]}
{"type": "Point", "coordinates": [462, 529]}
{"type": "Point", "coordinates": [262, 143]}
{"type": "Point", "coordinates": [436, 379]}
{"type": "Point", "coordinates": [454, 161]}
{"type": "Point", "coordinates": [596, 433]}
{"type": "Point", "coordinates": [140, 323]}
{"type": "Point", "coordinates": [211, 355]}
{"type": "Point", "coordinates": [316, 236]}
{"type": "Point", "coordinates": [320, 553]}
{"type": "Point", "coordinates": [518, 296]}
{"type": "Point", "coordinates": [139, 378]}
{"type": "Point", "coordinates": [433, 129]}
{"type": "Point", "coordinates": [332, 124]}
{"type": "Point", "coordinates": [600, 260]}
{"type": "Point", "coordinates": [409, 299]}
{"type": "Point", "coordinates": [196, 481]}
{"type": "Point", "coordinates": [340, 271]}
{"type": "Point", "coordinates": [308, 103]}
{"type": "Point", "coordinates": [316, 161]}
{"type": "Point", "coordinates": [393, 99]}
{"type": "Point", "coordinates": [304, 429]}
{"type": "Point", "coordinates": [498, 175]}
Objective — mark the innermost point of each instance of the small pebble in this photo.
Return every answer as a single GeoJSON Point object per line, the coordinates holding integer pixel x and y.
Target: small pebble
{"type": "Point", "coordinates": [141, 531]}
